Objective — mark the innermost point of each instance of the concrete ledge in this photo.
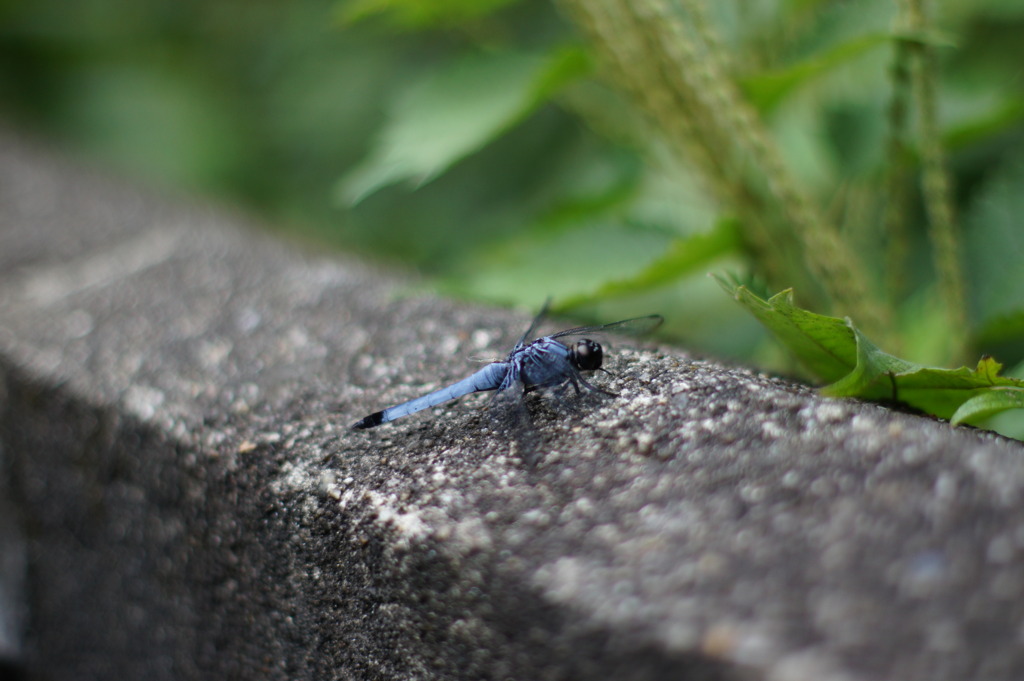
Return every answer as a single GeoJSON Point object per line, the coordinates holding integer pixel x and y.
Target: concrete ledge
{"type": "Point", "coordinates": [176, 390]}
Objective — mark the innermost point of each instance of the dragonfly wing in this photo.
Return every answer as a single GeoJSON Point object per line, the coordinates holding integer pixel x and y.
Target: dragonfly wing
{"type": "Point", "coordinates": [534, 324]}
{"type": "Point", "coordinates": [513, 419]}
{"type": "Point", "coordinates": [637, 326]}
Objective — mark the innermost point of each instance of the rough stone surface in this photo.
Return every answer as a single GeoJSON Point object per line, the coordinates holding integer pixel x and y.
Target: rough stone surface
{"type": "Point", "coordinates": [188, 501]}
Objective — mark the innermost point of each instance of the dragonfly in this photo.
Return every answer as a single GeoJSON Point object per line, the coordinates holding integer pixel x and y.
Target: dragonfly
{"type": "Point", "coordinates": [547, 362]}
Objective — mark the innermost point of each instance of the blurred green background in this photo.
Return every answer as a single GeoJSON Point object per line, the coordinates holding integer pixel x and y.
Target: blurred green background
{"type": "Point", "coordinates": [481, 144]}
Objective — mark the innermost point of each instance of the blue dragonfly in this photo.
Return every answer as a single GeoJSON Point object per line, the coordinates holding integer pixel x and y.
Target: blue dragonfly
{"type": "Point", "coordinates": [546, 362]}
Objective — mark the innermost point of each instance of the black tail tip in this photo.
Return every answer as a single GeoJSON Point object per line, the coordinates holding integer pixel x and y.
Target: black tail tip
{"type": "Point", "coordinates": [370, 421]}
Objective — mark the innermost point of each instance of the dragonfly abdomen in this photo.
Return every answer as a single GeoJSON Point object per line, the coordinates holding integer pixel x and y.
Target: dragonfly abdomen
{"type": "Point", "coordinates": [488, 378]}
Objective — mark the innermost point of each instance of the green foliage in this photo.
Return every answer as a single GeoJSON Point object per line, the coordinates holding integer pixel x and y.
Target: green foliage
{"type": "Point", "coordinates": [995, 243]}
{"type": "Point", "coordinates": [680, 258]}
{"type": "Point", "coordinates": [825, 345]}
{"type": "Point", "coordinates": [606, 152]}
{"type": "Point", "coordinates": [566, 256]}
{"type": "Point", "coordinates": [454, 112]}
{"type": "Point", "coordinates": [989, 403]}
{"type": "Point", "coordinates": [767, 89]}
{"type": "Point", "coordinates": [417, 14]}
{"type": "Point", "coordinates": [837, 352]}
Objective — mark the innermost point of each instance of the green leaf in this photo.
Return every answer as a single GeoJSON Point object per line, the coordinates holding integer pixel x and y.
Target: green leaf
{"type": "Point", "coordinates": [1005, 115]}
{"type": "Point", "coordinates": [417, 14]}
{"type": "Point", "coordinates": [825, 345]}
{"type": "Point", "coordinates": [865, 378]}
{"type": "Point", "coordinates": [680, 259]}
{"type": "Point", "coordinates": [836, 351]}
{"type": "Point", "coordinates": [455, 112]}
{"type": "Point", "coordinates": [942, 391]}
{"type": "Point", "coordinates": [567, 261]}
{"type": "Point", "coordinates": [766, 90]}
{"type": "Point", "coordinates": [988, 403]}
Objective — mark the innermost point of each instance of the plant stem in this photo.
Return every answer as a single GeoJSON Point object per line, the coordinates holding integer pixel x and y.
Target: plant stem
{"type": "Point", "coordinates": [677, 72]}
{"type": "Point", "coordinates": [936, 182]}
{"type": "Point", "coordinates": [898, 182]}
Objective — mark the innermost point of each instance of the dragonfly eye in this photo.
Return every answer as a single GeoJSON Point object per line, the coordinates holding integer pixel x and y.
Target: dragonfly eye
{"type": "Point", "coordinates": [587, 355]}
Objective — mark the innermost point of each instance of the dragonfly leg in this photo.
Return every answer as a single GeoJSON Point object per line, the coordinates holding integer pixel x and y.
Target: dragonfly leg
{"type": "Point", "coordinates": [558, 393]}
{"type": "Point", "coordinates": [593, 387]}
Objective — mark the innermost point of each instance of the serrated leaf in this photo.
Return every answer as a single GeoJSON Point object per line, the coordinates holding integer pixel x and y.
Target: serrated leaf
{"type": "Point", "coordinates": [825, 345]}
{"type": "Point", "coordinates": [836, 350]}
{"type": "Point", "coordinates": [865, 378]}
{"type": "Point", "coordinates": [937, 391]}
{"type": "Point", "coordinates": [942, 391]}
{"type": "Point", "coordinates": [988, 403]}
{"type": "Point", "coordinates": [455, 112]}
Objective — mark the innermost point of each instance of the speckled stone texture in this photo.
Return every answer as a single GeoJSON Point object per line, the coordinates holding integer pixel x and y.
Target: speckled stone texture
{"type": "Point", "coordinates": [188, 502]}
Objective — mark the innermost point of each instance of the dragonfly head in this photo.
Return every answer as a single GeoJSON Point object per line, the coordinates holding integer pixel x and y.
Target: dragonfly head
{"type": "Point", "coordinates": [586, 355]}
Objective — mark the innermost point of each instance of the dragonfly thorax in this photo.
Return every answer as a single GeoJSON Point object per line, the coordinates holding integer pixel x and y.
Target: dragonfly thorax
{"type": "Point", "coordinates": [586, 355]}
